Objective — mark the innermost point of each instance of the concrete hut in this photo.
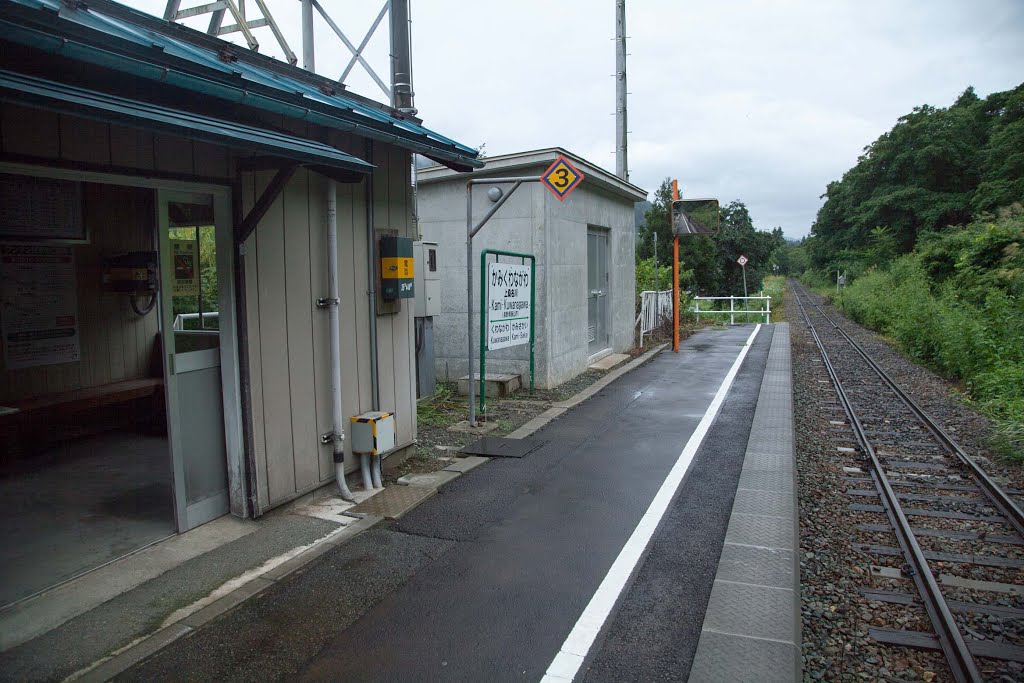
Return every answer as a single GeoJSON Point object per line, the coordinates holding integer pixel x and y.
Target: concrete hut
{"type": "Point", "coordinates": [584, 249]}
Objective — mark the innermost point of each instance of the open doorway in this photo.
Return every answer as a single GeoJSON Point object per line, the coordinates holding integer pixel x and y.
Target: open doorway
{"type": "Point", "coordinates": [113, 397]}
{"type": "Point", "coordinates": [85, 473]}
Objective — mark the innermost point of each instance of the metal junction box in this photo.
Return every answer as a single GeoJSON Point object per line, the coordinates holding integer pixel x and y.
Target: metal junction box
{"type": "Point", "coordinates": [428, 280]}
{"type": "Point", "coordinates": [373, 433]}
{"type": "Point", "coordinates": [396, 268]}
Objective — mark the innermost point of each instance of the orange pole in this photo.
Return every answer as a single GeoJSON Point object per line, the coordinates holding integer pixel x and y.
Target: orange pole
{"type": "Point", "coordinates": [675, 276]}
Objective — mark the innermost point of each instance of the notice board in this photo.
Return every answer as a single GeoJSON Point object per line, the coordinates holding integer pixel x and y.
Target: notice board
{"type": "Point", "coordinates": [38, 305]}
{"type": "Point", "coordinates": [41, 209]}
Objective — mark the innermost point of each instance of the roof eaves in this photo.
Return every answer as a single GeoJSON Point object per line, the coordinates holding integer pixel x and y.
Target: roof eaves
{"type": "Point", "coordinates": [539, 158]}
{"type": "Point", "coordinates": [251, 80]}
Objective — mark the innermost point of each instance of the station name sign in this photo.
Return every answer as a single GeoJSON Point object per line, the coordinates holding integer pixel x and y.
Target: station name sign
{"type": "Point", "coordinates": [508, 305]}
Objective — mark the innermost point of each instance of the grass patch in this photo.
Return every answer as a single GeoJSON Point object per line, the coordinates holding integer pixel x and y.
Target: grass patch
{"type": "Point", "coordinates": [442, 408]}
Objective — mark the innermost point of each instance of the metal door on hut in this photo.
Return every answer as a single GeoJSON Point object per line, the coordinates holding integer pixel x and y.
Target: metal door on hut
{"type": "Point", "coordinates": [195, 265]}
{"type": "Point", "coordinates": [597, 290]}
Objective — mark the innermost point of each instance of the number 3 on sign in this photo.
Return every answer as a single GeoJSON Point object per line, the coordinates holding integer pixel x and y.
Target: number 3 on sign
{"type": "Point", "coordinates": [561, 177]}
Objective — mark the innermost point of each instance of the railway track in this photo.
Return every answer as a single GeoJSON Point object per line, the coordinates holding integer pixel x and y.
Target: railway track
{"type": "Point", "coordinates": [952, 530]}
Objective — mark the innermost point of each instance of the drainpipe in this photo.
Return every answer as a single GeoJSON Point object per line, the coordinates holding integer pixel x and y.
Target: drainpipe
{"type": "Point", "coordinates": [368, 463]}
{"type": "Point", "coordinates": [334, 305]}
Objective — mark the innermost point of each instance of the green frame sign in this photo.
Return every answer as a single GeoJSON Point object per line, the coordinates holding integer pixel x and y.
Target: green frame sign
{"type": "Point", "coordinates": [498, 253]}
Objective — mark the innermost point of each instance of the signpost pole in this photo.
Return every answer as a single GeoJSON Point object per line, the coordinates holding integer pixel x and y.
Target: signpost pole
{"type": "Point", "coordinates": [483, 334]}
{"type": "Point", "coordinates": [746, 301]}
{"type": "Point", "coordinates": [533, 314]}
{"type": "Point", "coordinates": [469, 296]}
{"type": "Point", "coordinates": [561, 178]}
{"type": "Point", "coordinates": [675, 278]}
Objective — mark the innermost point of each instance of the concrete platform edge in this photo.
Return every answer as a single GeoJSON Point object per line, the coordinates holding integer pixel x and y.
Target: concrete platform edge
{"type": "Point", "coordinates": [147, 646]}
{"type": "Point", "coordinates": [757, 586]}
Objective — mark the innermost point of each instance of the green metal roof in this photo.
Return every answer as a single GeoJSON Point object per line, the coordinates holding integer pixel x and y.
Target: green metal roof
{"type": "Point", "coordinates": [91, 104]}
{"type": "Point", "coordinates": [112, 36]}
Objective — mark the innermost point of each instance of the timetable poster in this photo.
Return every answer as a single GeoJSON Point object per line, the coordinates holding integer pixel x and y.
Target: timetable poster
{"type": "Point", "coordinates": [38, 306]}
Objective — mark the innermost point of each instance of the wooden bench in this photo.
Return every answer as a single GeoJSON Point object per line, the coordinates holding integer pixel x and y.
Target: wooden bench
{"type": "Point", "coordinates": [38, 420]}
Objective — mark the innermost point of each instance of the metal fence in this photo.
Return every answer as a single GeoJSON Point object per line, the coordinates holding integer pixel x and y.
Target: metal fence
{"type": "Point", "coordinates": [655, 310]}
{"type": "Point", "coordinates": [179, 320]}
{"type": "Point", "coordinates": [765, 312]}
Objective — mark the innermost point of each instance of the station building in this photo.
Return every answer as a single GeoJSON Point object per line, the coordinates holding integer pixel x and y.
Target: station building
{"type": "Point", "coordinates": [585, 261]}
{"type": "Point", "coordinates": [162, 252]}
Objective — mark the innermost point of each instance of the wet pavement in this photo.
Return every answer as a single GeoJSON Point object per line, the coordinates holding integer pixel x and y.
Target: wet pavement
{"type": "Point", "coordinates": [486, 580]}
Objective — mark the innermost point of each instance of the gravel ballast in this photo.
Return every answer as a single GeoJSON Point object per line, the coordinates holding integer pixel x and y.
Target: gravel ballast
{"type": "Point", "coordinates": [835, 615]}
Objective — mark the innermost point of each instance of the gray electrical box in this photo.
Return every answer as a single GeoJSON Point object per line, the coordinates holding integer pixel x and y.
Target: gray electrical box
{"type": "Point", "coordinates": [427, 280]}
{"type": "Point", "coordinates": [373, 433]}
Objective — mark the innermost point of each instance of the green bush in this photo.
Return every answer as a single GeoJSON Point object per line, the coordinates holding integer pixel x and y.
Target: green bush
{"type": "Point", "coordinates": [955, 304]}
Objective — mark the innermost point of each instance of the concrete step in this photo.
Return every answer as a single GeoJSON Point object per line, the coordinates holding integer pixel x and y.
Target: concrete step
{"type": "Point", "coordinates": [609, 361]}
{"type": "Point", "coordinates": [495, 385]}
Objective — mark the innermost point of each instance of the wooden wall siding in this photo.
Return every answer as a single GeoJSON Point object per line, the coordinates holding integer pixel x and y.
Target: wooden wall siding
{"type": "Point", "coordinates": [116, 344]}
{"type": "Point", "coordinates": [289, 352]}
{"type": "Point", "coordinates": [38, 133]}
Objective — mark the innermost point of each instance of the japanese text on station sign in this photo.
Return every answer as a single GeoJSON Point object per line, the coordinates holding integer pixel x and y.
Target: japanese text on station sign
{"type": "Point", "coordinates": [508, 305]}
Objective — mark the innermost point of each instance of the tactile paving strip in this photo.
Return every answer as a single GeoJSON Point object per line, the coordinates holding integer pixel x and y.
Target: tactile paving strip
{"type": "Point", "coordinates": [394, 501]}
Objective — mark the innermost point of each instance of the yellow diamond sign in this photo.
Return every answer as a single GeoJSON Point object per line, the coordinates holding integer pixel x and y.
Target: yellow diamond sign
{"type": "Point", "coordinates": [561, 177]}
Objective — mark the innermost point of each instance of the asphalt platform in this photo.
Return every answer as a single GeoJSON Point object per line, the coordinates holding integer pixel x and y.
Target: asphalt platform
{"type": "Point", "coordinates": [498, 575]}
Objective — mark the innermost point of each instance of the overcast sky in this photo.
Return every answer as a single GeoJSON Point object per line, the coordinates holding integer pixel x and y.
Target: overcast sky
{"type": "Point", "coordinates": [762, 101]}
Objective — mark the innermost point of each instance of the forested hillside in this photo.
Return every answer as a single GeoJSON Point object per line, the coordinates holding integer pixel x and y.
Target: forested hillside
{"type": "Point", "coordinates": [937, 167]}
{"type": "Point", "coordinates": [929, 227]}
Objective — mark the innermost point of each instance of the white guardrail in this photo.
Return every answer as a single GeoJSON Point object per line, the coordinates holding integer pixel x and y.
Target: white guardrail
{"type": "Point", "coordinates": [766, 312]}
{"type": "Point", "coordinates": [655, 309]}
{"type": "Point", "coordinates": [179, 320]}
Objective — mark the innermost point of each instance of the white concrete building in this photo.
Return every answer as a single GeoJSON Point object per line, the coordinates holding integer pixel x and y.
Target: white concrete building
{"type": "Point", "coordinates": [584, 249]}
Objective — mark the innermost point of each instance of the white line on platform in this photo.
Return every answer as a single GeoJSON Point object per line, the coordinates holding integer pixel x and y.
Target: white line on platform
{"type": "Point", "coordinates": [571, 655]}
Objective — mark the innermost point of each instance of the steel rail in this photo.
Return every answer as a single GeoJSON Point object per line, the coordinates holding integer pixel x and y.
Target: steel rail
{"type": "Point", "coordinates": [996, 495]}
{"type": "Point", "coordinates": [954, 647]}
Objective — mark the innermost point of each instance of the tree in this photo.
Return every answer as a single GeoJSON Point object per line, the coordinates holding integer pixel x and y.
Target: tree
{"type": "Point", "coordinates": [657, 221]}
{"type": "Point", "coordinates": [937, 167]}
{"type": "Point", "coordinates": [708, 262]}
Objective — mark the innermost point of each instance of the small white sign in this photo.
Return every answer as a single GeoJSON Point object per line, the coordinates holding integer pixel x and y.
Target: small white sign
{"type": "Point", "coordinates": [508, 305]}
{"type": "Point", "coordinates": [742, 260]}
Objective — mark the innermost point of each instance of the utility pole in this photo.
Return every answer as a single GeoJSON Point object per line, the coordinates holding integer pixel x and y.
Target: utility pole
{"type": "Point", "coordinates": [401, 58]}
{"type": "Point", "coordinates": [675, 276]}
{"type": "Point", "coordinates": [308, 60]}
{"type": "Point", "coordinates": [621, 165]}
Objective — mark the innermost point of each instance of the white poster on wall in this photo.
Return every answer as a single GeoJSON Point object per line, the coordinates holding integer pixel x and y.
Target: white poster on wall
{"type": "Point", "coordinates": [38, 306]}
{"type": "Point", "coordinates": [508, 305]}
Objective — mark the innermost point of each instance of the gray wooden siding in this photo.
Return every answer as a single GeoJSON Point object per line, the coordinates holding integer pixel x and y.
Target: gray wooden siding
{"type": "Point", "coordinates": [45, 135]}
{"type": "Point", "coordinates": [289, 354]}
{"type": "Point", "coordinates": [116, 344]}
